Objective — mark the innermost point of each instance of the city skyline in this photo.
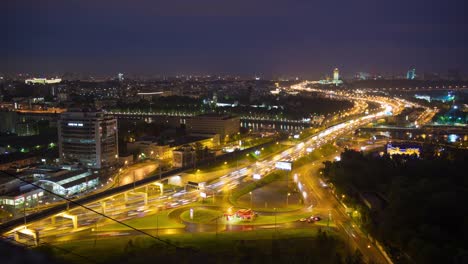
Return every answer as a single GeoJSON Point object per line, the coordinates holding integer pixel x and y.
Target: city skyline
{"type": "Point", "coordinates": [265, 131]}
{"type": "Point", "coordinates": [266, 38]}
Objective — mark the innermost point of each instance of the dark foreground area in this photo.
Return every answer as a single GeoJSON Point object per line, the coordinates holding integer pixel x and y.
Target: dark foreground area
{"type": "Point", "coordinates": [415, 205]}
{"type": "Point", "coordinates": [262, 246]}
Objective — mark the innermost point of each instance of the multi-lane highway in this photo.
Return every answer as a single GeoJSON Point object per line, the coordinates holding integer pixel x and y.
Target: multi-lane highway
{"type": "Point", "coordinates": [122, 206]}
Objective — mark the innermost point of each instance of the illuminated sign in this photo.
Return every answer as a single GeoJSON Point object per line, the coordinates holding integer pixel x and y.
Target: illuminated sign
{"type": "Point", "coordinates": [400, 150]}
{"type": "Point", "coordinates": [283, 165]}
{"type": "Point", "coordinates": [70, 124]}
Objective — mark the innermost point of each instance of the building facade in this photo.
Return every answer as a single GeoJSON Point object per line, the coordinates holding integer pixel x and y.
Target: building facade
{"type": "Point", "coordinates": [411, 74]}
{"type": "Point", "coordinates": [223, 125]}
{"type": "Point", "coordinates": [88, 137]}
{"type": "Point", "coordinates": [184, 156]}
{"type": "Point", "coordinates": [336, 74]}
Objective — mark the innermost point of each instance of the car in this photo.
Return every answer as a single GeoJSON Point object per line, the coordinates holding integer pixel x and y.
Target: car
{"type": "Point", "coordinates": [316, 218]}
{"type": "Point", "coordinates": [313, 219]}
{"type": "Point", "coordinates": [302, 219]}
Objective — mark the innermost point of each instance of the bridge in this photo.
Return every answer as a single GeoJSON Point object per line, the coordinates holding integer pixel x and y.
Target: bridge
{"type": "Point", "coordinates": [428, 129]}
{"type": "Point", "coordinates": [182, 116]}
{"type": "Point", "coordinates": [176, 119]}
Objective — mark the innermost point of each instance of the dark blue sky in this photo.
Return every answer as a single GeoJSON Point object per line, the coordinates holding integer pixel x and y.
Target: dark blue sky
{"type": "Point", "coordinates": [268, 37]}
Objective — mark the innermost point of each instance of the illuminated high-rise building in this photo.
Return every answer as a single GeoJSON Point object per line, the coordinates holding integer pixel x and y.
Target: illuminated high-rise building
{"type": "Point", "coordinates": [336, 74]}
{"type": "Point", "coordinates": [120, 77]}
{"type": "Point", "coordinates": [411, 74]}
{"type": "Point", "coordinates": [88, 137]}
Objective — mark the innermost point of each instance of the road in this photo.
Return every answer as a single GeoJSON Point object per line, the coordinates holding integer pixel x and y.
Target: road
{"type": "Point", "coordinates": [327, 205]}
{"type": "Point", "coordinates": [122, 207]}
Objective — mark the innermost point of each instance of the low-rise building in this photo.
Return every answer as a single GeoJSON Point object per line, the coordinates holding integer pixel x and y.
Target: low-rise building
{"type": "Point", "coordinates": [223, 125]}
{"type": "Point", "coordinates": [151, 147]}
{"type": "Point", "coordinates": [184, 156]}
{"type": "Point", "coordinates": [18, 192]}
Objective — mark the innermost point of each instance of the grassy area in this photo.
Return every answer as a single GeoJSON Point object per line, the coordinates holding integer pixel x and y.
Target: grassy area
{"type": "Point", "coordinates": [268, 219]}
{"type": "Point", "coordinates": [252, 142]}
{"type": "Point", "coordinates": [208, 216]}
{"type": "Point", "coordinates": [325, 150]}
{"type": "Point", "coordinates": [282, 246]}
{"type": "Point", "coordinates": [160, 220]}
{"type": "Point", "coordinates": [201, 215]}
{"type": "Point", "coordinates": [290, 208]}
{"type": "Point", "coordinates": [241, 160]}
{"type": "Point", "coordinates": [276, 175]}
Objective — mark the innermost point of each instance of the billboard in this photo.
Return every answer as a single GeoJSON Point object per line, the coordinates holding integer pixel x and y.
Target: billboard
{"type": "Point", "coordinates": [284, 165]}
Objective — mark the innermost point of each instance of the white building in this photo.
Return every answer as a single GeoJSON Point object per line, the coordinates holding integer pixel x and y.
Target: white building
{"type": "Point", "coordinates": [223, 125]}
{"type": "Point", "coordinates": [88, 137]}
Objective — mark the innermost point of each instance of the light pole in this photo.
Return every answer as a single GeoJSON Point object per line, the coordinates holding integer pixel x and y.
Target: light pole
{"type": "Point", "coordinates": [160, 171]}
{"type": "Point", "coordinates": [133, 180]}
{"type": "Point", "coordinates": [250, 200]}
{"type": "Point", "coordinates": [275, 220]}
{"type": "Point", "coordinates": [217, 227]}
{"type": "Point", "coordinates": [287, 199]}
{"type": "Point", "coordinates": [24, 211]}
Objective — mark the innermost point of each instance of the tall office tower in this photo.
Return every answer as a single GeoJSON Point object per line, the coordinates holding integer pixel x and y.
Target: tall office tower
{"type": "Point", "coordinates": [336, 74]}
{"type": "Point", "coordinates": [120, 77]}
{"type": "Point", "coordinates": [88, 137]}
{"type": "Point", "coordinates": [411, 74]}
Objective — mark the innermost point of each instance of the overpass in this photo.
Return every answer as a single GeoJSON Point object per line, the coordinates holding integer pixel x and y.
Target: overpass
{"type": "Point", "coordinates": [428, 129]}
{"type": "Point", "coordinates": [128, 189]}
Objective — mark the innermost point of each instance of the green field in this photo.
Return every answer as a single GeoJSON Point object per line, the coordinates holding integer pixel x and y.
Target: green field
{"type": "Point", "coordinates": [324, 151]}
{"type": "Point", "coordinates": [201, 215]}
{"type": "Point", "coordinates": [276, 175]}
{"type": "Point", "coordinates": [159, 220]}
{"type": "Point", "coordinates": [282, 246]}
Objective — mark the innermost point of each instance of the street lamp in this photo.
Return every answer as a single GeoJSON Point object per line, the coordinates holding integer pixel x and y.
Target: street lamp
{"type": "Point", "coordinates": [250, 200]}
{"type": "Point", "coordinates": [275, 220]}
{"type": "Point", "coordinates": [287, 199]}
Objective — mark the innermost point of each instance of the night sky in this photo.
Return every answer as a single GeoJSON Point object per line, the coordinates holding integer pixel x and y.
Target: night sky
{"type": "Point", "coordinates": [265, 37]}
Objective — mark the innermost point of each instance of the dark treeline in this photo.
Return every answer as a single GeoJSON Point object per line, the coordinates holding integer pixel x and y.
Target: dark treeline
{"type": "Point", "coordinates": [426, 218]}
{"type": "Point", "coordinates": [403, 83]}
{"type": "Point", "coordinates": [293, 107]}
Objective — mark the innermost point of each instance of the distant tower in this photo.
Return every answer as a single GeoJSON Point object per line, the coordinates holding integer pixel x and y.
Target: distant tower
{"type": "Point", "coordinates": [411, 74]}
{"type": "Point", "coordinates": [120, 77]}
{"type": "Point", "coordinates": [336, 74]}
